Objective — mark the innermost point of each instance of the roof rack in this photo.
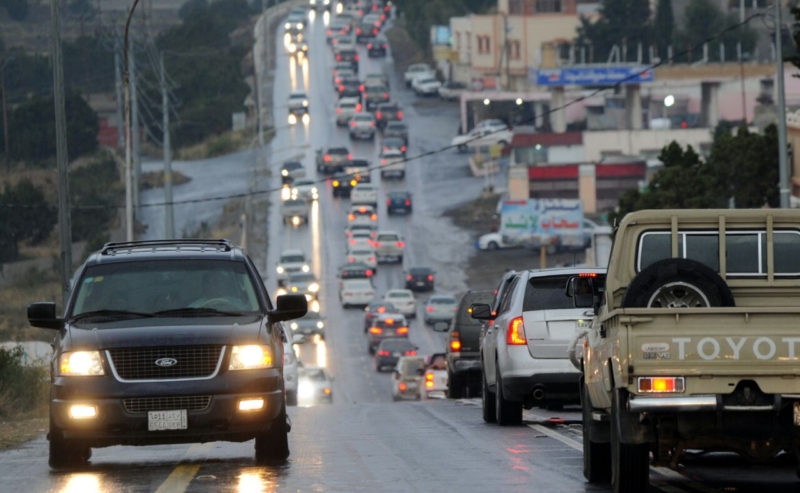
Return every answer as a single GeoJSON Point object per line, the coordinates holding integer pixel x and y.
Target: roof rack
{"type": "Point", "coordinates": [109, 247]}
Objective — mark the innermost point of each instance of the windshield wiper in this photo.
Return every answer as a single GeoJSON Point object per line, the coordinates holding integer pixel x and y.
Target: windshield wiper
{"type": "Point", "coordinates": [196, 312]}
{"type": "Point", "coordinates": [110, 314]}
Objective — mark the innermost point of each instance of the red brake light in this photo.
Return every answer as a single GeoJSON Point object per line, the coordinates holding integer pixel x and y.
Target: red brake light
{"type": "Point", "coordinates": [349, 156]}
{"type": "Point", "coordinates": [386, 95]}
{"type": "Point", "coordinates": [587, 274]}
{"type": "Point", "coordinates": [369, 274]}
{"type": "Point", "coordinates": [381, 309]}
{"type": "Point", "coordinates": [353, 124]}
{"type": "Point", "coordinates": [351, 217]}
{"type": "Point", "coordinates": [410, 277]}
{"type": "Point", "coordinates": [399, 115]}
{"type": "Point", "coordinates": [358, 107]}
{"type": "Point", "coordinates": [402, 330]}
{"type": "Point", "coordinates": [376, 244]}
{"type": "Point", "coordinates": [358, 31]}
{"type": "Point", "coordinates": [338, 58]}
{"type": "Point", "coordinates": [329, 32]}
{"type": "Point", "coordinates": [383, 46]}
{"type": "Point", "coordinates": [377, 330]}
{"type": "Point", "coordinates": [369, 46]}
{"type": "Point", "coordinates": [515, 335]}
{"type": "Point", "coordinates": [389, 202]}
{"type": "Point", "coordinates": [362, 209]}
{"type": "Point", "coordinates": [389, 321]}
{"type": "Point", "coordinates": [376, 24]}
{"type": "Point", "coordinates": [400, 244]}
{"type": "Point", "coordinates": [402, 385]}
{"type": "Point", "coordinates": [361, 88]}
{"type": "Point", "coordinates": [430, 309]}
{"type": "Point", "coordinates": [383, 352]}
{"type": "Point", "coordinates": [338, 111]}
{"type": "Point", "coordinates": [378, 114]}
{"type": "Point", "coordinates": [327, 158]}
{"type": "Point", "coordinates": [403, 148]}
{"type": "Point", "coordinates": [372, 259]}
{"type": "Point", "coordinates": [374, 217]}
{"type": "Point", "coordinates": [355, 58]}
{"type": "Point", "coordinates": [408, 203]}
{"type": "Point", "coordinates": [410, 353]}
{"type": "Point", "coordinates": [430, 277]}
{"type": "Point", "coordinates": [351, 259]}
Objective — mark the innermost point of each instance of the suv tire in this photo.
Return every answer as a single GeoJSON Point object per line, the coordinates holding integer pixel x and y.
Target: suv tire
{"type": "Point", "coordinates": [596, 456]}
{"type": "Point", "coordinates": [273, 445]}
{"type": "Point", "coordinates": [630, 463]}
{"type": "Point", "coordinates": [508, 413]}
{"type": "Point", "coordinates": [487, 402]}
{"type": "Point", "coordinates": [455, 386]}
{"type": "Point", "coordinates": [661, 281]}
{"type": "Point", "coordinates": [66, 453]}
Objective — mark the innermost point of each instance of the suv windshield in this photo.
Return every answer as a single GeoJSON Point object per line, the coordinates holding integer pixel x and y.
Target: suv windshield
{"type": "Point", "coordinates": [161, 285]}
{"type": "Point", "coordinates": [302, 277]}
{"type": "Point", "coordinates": [548, 293]}
{"type": "Point", "coordinates": [292, 259]}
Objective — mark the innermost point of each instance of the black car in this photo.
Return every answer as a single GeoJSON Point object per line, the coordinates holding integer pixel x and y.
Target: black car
{"type": "Point", "coordinates": [386, 326]}
{"type": "Point", "coordinates": [349, 88]}
{"type": "Point", "coordinates": [390, 350]}
{"type": "Point", "coordinates": [399, 202]}
{"type": "Point", "coordinates": [375, 309]}
{"type": "Point", "coordinates": [375, 95]}
{"type": "Point", "coordinates": [312, 324]}
{"type": "Point", "coordinates": [366, 32]}
{"type": "Point", "coordinates": [160, 343]}
{"type": "Point", "coordinates": [420, 279]}
{"type": "Point", "coordinates": [394, 144]}
{"type": "Point", "coordinates": [355, 270]}
{"type": "Point", "coordinates": [348, 55]}
{"type": "Point", "coordinates": [388, 112]}
{"type": "Point", "coordinates": [396, 129]}
{"type": "Point", "coordinates": [342, 184]}
{"type": "Point", "coordinates": [376, 47]}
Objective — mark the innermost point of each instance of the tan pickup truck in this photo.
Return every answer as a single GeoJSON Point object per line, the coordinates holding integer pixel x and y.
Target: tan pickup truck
{"type": "Point", "coordinates": [695, 343]}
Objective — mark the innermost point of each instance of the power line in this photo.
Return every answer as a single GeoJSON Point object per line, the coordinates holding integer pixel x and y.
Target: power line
{"type": "Point", "coordinates": [424, 154]}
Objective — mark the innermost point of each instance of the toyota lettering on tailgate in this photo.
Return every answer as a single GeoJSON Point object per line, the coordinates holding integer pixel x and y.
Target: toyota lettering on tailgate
{"type": "Point", "coordinates": [735, 348]}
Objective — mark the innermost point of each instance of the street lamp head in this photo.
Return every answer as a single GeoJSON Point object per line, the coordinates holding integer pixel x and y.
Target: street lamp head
{"type": "Point", "coordinates": [486, 101]}
{"type": "Point", "coordinates": [519, 101]}
{"type": "Point", "coordinates": [669, 100]}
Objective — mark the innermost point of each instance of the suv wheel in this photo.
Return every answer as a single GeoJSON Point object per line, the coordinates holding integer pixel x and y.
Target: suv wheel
{"type": "Point", "coordinates": [596, 456]}
{"type": "Point", "coordinates": [630, 463]}
{"type": "Point", "coordinates": [487, 402]}
{"type": "Point", "coordinates": [66, 453]}
{"type": "Point", "coordinates": [455, 386]}
{"type": "Point", "coordinates": [508, 413]}
{"type": "Point", "coordinates": [273, 445]}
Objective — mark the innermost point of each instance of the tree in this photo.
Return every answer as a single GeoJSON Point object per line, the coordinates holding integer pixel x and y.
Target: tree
{"type": "Point", "coordinates": [704, 20]}
{"type": "Point", "coordinates": [747, 166]}
{"type": "Point", "coordinates": [192, 6]}
{"type": "Point", "coordinates": [17, 9]}
{"type": "Point", "coordinates": [663, 27]}
{"type": "Point", "coordinates": [625, 23]}
{"type": "Point", "coordinates": [32, 223]}
{"type": "Point", "coordinates": [98, 186]}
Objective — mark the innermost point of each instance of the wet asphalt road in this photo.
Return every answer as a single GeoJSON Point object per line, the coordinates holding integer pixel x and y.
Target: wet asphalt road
{"type": "Point", "coordinates": [364, 442]}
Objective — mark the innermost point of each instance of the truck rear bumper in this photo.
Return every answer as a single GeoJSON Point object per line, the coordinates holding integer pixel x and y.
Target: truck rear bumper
{"type": "Point", "coordinates": [673, 403]}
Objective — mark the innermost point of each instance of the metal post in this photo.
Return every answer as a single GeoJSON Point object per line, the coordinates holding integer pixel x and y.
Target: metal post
{"type": "Point", "coordinates": [127, 95]}
{"type": "Point", "coordinates": [782, 146]}
{"type": "Point", "coordinates": [64, 228]}
{"type": "Point", "coordinates": [118, 87]}
{"type": "Point", "coordinates": [135, 129]}
{"type": "Point", "coordinates": [169, 228]}
{"type": "Point", "coordinates": [5, 113]}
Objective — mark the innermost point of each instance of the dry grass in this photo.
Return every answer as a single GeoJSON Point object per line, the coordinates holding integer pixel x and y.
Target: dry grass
{"type": "Point", "coordinates": [216, 145]}
{"type": "Point", "coordinates": [14, 300]}
{"type": "Point", "coordinates": [155, 179]}
{"type": "Point", "coordinates": [13, 433]}
{"type": "Point", "coordinates": [405, 50]}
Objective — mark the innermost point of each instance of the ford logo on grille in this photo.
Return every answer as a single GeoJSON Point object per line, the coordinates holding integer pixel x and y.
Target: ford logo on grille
{"type": "Point", "coordinates": [166, 362]}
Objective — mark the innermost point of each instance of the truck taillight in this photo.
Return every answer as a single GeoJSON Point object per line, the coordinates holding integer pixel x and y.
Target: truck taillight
{"type": "Point", "coordinates": [402, 330]}
{"type": "Point", "coordinates": [455, 341]}
{"type": "Point", "coordinates": [399, 115]}
{"type": "Point", "coordinates": [515, 335]}
{"type": "Point", "coordinates": [400, 244]}
{"type": "Point", "coordinates": [430, 277]}
{"type": "Point", "coordinates": [653, 385]}
{"type": "Point", "coordinates": [375, 330]}
{"type": "Point", "coordinates": [430, 309]}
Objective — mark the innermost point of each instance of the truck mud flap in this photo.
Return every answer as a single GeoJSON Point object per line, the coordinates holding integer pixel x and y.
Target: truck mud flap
{"type": "Point", "coordinates": [632, 428]}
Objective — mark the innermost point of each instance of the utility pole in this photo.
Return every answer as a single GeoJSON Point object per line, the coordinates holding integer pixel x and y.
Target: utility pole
{"type": "Point", "coordinates": [64, 227]}
{"type": "Point", "coordinates": [169, 228]}
{"type": "Point", "coordinates": [135, 129]}
{"type": "Point", "coordinates": [506, 30]}
{"type": "Point", "coordinates": [5, 112]}
{"type": "Point", "coordinates": [118, 87]}
{"type": "Point", "coordinates": [782, 145]}
{"type": "Point", "coordinates": [127, 94]}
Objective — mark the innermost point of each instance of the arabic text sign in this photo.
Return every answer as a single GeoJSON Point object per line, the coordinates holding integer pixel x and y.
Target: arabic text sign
{"type": "Point", "coordinates": [440, 35]}
{"type": "Point", "coordinates": [521, 220]}
{"type": "Point", "coordinates": [591, 76]}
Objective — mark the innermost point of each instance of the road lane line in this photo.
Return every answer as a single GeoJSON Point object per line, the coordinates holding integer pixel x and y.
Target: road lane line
{"type": "Point", "coordinates": [558, 436]}
{"type": "Point", "coordinates": [182, 475]}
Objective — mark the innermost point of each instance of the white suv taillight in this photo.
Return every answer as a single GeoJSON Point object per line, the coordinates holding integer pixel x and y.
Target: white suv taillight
{"type": "Point", "coordinates": [515, 335]}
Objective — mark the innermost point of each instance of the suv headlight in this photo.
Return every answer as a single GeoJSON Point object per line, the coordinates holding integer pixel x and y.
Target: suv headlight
{"type": "Point", "coordinates": [306, 268]}
{"type": "Point", "coordinates": [287, 25]}
{"type": "Point", "coordinates": [313, 287]}
{"type": "Point", "coordinates": [81, 364]}
{"type": "Point", "coordinates": [294, 326]}
{"type": "Point", "coordinates": [251, 357]}
{"type": "Point", "coordinates": [280, 269]}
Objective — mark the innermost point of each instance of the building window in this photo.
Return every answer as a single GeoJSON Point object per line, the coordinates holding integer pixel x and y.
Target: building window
{"type": "Point", "coordinates": [513, 49]}
{"type": "Point", "coordinates": [457, 41]}
{"type": "Point", "coordinates": [484, 44]}
{"type": "Point", "coordinates": [515, 7]}
{"type": "Point", "coordinates": [548, 6]}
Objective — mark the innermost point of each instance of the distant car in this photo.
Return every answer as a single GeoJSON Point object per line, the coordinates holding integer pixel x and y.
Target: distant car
{"type": "Point", "coordinates": [298, 49]}
{"type": "Point", "coordinates": [376, 78]}
{"type": "Point", "coordinates": [463, 347]}
{"type": "Point", "coordinates": [349, 87]}
{"type": "Point", "coordinates": [312, 324]}
{"type": "Point", "coordinates": [338, 26]}
{"type": "Point", "coordinates": [391, 350]}
{"type": "Point", "coordinates": [295, 211]}
{"type": "Point", "coordinates": [356, 292]}
{"type": "Point", "coordinates": [434, 380]}
{"type": "Point", "coordinates": [389, 245]}
{"type": "Point", "coordinates": [341, 71]}
{"type": "Point", "coordinates": [342, 184]}
{"type": "Point", "coordinates": [414, 70]}
{"type": "Point", "coordinates": [374, 310]}
{"type": "Point", "coordinates": [407, 378]}
{"type": "Point", "coordinates": [352, 228]}
{"type": "Point", "coordinates": [363, 255]}
{"type": "Point", "coordinates": [388, 112]}
{"type": "Point", "coordinates": [364, 193]}
{"type": "Point", "coordinates": [366, 32]}
{"type": "Point", "coordinates": [291, 261]}
{"type": "Point", "coordinates": [296, 21]}
{"type": "Point", "coordinates": [375, 95]}
{"type": "Point", "coordinates": [343, 42]}
{"type": "Point", "coordinates": [398, 202]}
{"type": "Point", "coordinates": [394, 144]}
{"type": "Point", "coordinates": [304, 283]}
{"type": "Point", "coordinates": [362, 126]}
{"type": "Point", "coordinates": [420, 279]}
{"type": "Point", "coordinates": [346, 108]}
{"type": "Point", "coordinates": [451, 90]}
{"type": "Point", "coordinates": [320, 4]}
{"type": "Point", "coordinates": [482, 137]}
{"type": "Point", "coordinates": [360, 169]}
{"type": "Point", "coordinates": [355, 270]}
{"type": "Point", "coordinates": [360, 239]}
{"type": "Point", "coordinates": [298, 103]}
{"type": "Point", "coordinates": [396, 129]}
{"type": "Point", "coordinates": [377, 47]}
{"type": "Point", "coordinates": [386, 326]}
{"type": "Point", "coordinates": [349, 55]}
{"type": "Point", "coordinates": [393, 164]}
{"type": "Point", "coordinates": [332, 159]}
{"type": "Point", "coordinates": [314, 386]}
{"type": "Point", "coordinates": [403, 300]}
{"type": "Point", "coordinates": [292, 170]}
{"type": "Point", "coordinates": [426, 85]}
{"type": "Point", "coordinates": [362, 214]}
{"type": "Point", "coordinates": [440, 308]}
{"type": "Point", "coordinates": [305, 189]}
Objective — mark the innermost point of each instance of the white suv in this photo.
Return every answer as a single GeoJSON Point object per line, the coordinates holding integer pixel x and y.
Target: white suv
{"type": "Point", "coordinates": [346, 108]}
{"type": "Point", "coordinates": [389, 245]}
{"type": "Point", "coordinates": [291, 261]}
{"type": "Point", "coordinates": [364, 193]}
{"type": "Point", "coordinates": [362, 126]}
{"type": "Point", "coordinates": [524, 349]}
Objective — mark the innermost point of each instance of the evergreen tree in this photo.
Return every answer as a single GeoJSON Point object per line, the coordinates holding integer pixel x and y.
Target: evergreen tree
{"type": "Point", "coordinates": [663, 28]}
{"type": "Point", "coordinates": [625, 23]}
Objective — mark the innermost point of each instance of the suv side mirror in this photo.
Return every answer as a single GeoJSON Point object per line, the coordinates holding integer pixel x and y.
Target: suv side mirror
{"type": "Point", "coordinates": [43, 315]}
{"type": "Point", "coordinates": [289, 307]}
{"type": "Point", "coordinates": [441, 327]}
{"type": "Point", "coordinates": [582, 291]}
{"type": "Point", "coordinates": [481, 311]}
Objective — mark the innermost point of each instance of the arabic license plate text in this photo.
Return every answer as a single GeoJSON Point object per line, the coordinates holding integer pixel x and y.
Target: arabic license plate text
{"type": "Point", "coordinates": [584, 324]}
{"type": "Point", "coordinates": [166, 420]}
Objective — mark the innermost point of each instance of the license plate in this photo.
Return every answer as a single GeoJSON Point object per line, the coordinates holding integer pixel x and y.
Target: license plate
{"type": "Point", "coordinates": [584, 324]}
{"type": "Point", "coordinates": [420, 283]}
{"type": "Point", "coordinates": [396, 355]}
{"type": "Point", "coordinates": [307, 331]}
{"type": "Point", "coordinates": [797, 413]}
{"type": "Point", "coordinates": [166, 420]}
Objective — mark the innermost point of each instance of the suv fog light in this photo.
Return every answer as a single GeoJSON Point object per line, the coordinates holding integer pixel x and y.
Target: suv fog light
{"type": "Point", "coordinates": [251, 404]}
{"type": "Point", "coordinates": [661, 384]}
{"type": "Point", "coordinates": [82, 411]}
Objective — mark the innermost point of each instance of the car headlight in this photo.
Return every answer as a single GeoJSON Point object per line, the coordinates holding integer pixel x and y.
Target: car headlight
{"type": "Point", "coordinates": [320, 324]}
{"type": "Point", "coordinates": [251, 357]}
{"type": "Point", "coordinates": [292, 48]}
{"type": "Point", "coordinates": [294, 192]}
{"type": "Point", "coordinates": [280, 269]}
{"type": "Point", "coordinates": [305, 389]}
{"type": "Point", "coordinates": [294, 289]}
{"type": "Point", "coordinates": [305, 103]}
{"type": "Point", "coordinates": [280, 292]}
{"type": "Point", "coordinates": [313, 190]}
{"type": "Point", "coordinates": [294, 326]}
{"type": "Point", "coordinates": [299, 25]}
{"type": "Point", "coordinates": [284, 172]}
{"type": "Point", "coordinates": [81, 364]}
{"type": "Point", "coordinates": [287, 26]}
{"type": "Point", "coordinates": [306, 268]}
{"type": "Point", "coordinates": [313, 287]}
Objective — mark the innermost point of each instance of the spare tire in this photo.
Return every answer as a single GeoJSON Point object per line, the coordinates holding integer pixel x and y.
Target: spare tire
{"type": "Point", "coordinates": [678, 283]}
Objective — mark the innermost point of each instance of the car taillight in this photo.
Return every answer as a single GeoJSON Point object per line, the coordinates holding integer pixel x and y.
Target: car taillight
{"type": "Point", "coordinates": [386, 95]}
{"type": "Point", "coordinates": [378, 115]}
{"type": "Point", "coordinates": [383, 161]}
{"type": "Point", "coordinates": [369, 274]}
{"type": "Point", "coordinates": [383, 352]}
{"type": "Point", "coordinates": [430, 277]}
{"type": "Point", "coordinates": [358, 31]}
{"type": "Point", "coordinates": [389, 202]}
{"type": "Point", "coordinates": [383, 46]}
{"type": "Point", "coordinates": [349, 156]}
{"type": "Point", "coordinates": [661, 384]}
{"type": "Point", "coordinates": [327, 158]}
{"type": "Point", "coordinates": [402, 330]}
{"type": "Point", "coordinates": [355, 58]}
{"type": "Point", "coordinates": [361, 88]}
{"type": "Point", "coordinates": [352, 242]}
{"type": "Point", "coordinates": [341, 88]}
{"type": "Point", "coordinates": [353, 124]}
{"type": "Point", "coordinates": [399, 115]}
{"type": "Point", "coordinates": [400, 244]}
{"type": "Point", "coordinates": [374, 217]}
{"type": "Point", "coordinates": [402, 387]}
{"type": "Point", "coordinates": [338, 111]}
{"type": "Point", "coordinates": [375, 330]}
{"type": "Point", "coordinates": [587, 274]}
{"type": "Point", "coordinates": [455, 341]}
{"type": "Point", "coordinates": [515, 335]}
{"type": "Point", "coordinates": [351, 217]}
{"type": "Point", "coordinates": [372, 259]}
{"type": "Point", "coordinates": [408, 203]}
{"type": "Point", "coordinates": [338, 58]}
{"type": "Point", "coordinates": [410, 353]}
{"type": "Point", "coordinates": [371, 124]}
{"type": "Point", "coordinates": [430, 309]}
{"type": "Point", "coordinates": [369, 46]}
{"type": "Point", "coordinates": [358, 107]}
{"type": "Point", "coordinates": [351, 260]}
{"type": "Point", "coordinates": [376, 24]}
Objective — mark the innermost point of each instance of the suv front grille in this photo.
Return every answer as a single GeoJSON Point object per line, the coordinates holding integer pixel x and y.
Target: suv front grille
{"type": "Point", "coordinates": [144, 404]}
{"type": "Point", "coordinates": [191, 362]}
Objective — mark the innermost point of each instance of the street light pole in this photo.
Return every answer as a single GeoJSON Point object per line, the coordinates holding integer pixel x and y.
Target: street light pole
{"type": "Point", "coordinates": [782, 145]}
{"type": "Point", "coordinates": [126, 91]}
{"type": "Point", "coordinates": [5, 110]}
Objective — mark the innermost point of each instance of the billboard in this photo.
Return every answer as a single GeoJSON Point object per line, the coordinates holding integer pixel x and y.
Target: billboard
{"type": "Point", "coordinates": [440, 35]}
{"type": "Point", "coordinates": [484, 83]}
{"type": "Point", "coordinates": [591, 76]}
{"type": "Point", "coordinates": [536, 222]}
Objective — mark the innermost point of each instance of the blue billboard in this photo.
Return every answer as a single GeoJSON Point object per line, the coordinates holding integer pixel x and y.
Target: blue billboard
{"type": "Point", "coordinates": [591, 76]}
